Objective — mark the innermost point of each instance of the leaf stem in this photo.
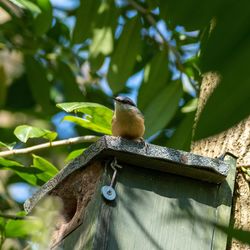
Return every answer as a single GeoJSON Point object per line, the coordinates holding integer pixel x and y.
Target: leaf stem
{"type": "Point", "coordinates": [74, 140]}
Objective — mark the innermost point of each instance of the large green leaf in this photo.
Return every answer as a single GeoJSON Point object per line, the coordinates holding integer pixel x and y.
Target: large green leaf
{"type": "Point", "coordinates": [72, 155]}
{"type": "Point", "coordinates": [43, 20]}
{"type": "Point", "coordinates": [9, 163]}
{"type": "Point", "coordinates": [48, 169]}
{"type": "Point", "coordinates": [103, 32]}
{"type": "Point", "coordinates": [124, 56]}
{"type": "Point", "coordinates": [24, 132]}
{"type": "Point", "coordinates": [70, 86]}
{"type": "Point", "coordinates": [178, 12]}
{"type": "Point", "coordinates": [97, 115]}
{"type": "Point", "coordinates": [227, 51]}
{"type": "Point", "coordinates": [39, 85]}
{"type": "Point", "coordinates": [89, 123]}
{"type": "Point", "coordinates": [155, 79]}
{"type": "Point", "coordinates": [7, 145]}
{"type": "Point", "coordinates": [162, 108]}
{"type": "Point", "coordinates": [29, 5]}
{"type": "Point", "coordinates": [85, 19]}
{"type": "Point", "coordinates": [182, 136]}
{"type": "Point", "coordinates": [22, 228]}
{"type": "Point", "coordinates": [27, 174]}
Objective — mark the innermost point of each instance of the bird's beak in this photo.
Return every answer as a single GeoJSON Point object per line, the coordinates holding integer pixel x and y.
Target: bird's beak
{"type": "Point", "coordinates": [114, 98]}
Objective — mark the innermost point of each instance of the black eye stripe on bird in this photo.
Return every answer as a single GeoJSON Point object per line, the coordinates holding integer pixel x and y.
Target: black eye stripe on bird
{"type": "Point", "coordinates": [125, 100]}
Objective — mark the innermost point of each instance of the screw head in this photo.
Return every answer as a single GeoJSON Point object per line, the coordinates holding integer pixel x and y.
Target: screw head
{"type": "Point", "coordinates": [108, 193]}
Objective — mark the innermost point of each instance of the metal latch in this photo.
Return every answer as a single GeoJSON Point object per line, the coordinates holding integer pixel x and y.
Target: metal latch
{"type": "Point", "coordinates": [108, 192]}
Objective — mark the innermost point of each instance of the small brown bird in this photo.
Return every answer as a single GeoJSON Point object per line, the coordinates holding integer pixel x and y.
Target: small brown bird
{"type": "Point", "coordinates": [128, 121]}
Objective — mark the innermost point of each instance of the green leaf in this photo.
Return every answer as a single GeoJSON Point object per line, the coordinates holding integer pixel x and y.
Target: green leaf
{"type": "Point", "coordinates": [98, 115]}
{"type": "Point", "coordinates": [70, 86]}
{"type": "Point", "coordinates": [9, 163]}
{"type": "Point", "coordinates": [182, 136]}
{"type": "Point", "coordinates": [178, 12]}
{"type": "Point", "coordinates": [103, 32]}
{"type": "Point", "coordinates": [227, 51]}
{"type": "Point", "coordinates": [43, 20]}
{"type": "Point", "coordinates": [27, 174]}
{"type": "Point", "coordinates": [89, 123]}
{"type": "Point", "coordinates": [72, 155]}
{"type": "Point", "coordinates": [161, 109]}
{"type": "Point", "coordinates": [156, 76]}
{"type": "Point", "coordinates": [39, 84]}
{"type": "Point", "coordinates": [85, 19]}
{"type": "Point", "coordinates": [190, 106]}
{"type": "Point", "coordinates": [22, 228]}
{"type": "Point", "coordinates": [48, 169]}
{"type": "Point", "coordinates": [9, 145]}
{"type": "Point", "coordinates": [124, 57]}
{"type": "Point", "coordinates": [28, 5]}
{"type": "Point", "coordinates": [24, 132]}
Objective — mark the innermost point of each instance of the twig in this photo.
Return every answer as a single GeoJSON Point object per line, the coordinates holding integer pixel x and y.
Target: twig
{"type": "Point", "coordinates": [74, 140]}
{"type": "Point", "coordinates": [152, 21]}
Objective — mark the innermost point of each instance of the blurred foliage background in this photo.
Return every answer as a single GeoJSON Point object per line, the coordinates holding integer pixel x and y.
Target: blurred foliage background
{"type": "Point", "coordinates": [154, 51]}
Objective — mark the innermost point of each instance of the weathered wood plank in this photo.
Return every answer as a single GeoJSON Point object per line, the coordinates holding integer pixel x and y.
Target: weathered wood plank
{"type": "Point", "coordinates": [155, 210]}
{"type": "Point", "coordinates": [141, 155]}
{"type": "Point", "coordinates": [225, 194]}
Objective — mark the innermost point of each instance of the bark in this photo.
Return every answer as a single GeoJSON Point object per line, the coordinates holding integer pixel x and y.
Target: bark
{"type": "Point", "coordinates": [235, 140]}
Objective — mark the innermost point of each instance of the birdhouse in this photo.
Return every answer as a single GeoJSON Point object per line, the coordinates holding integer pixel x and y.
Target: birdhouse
{"type": "Point", "coordinates": [122, 194]}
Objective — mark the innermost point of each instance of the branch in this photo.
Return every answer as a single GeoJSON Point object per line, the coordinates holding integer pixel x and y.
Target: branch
{"type": "Point", "coordinates": [152, 21]}
{"type": "Point", "coordinates": [74, 140]}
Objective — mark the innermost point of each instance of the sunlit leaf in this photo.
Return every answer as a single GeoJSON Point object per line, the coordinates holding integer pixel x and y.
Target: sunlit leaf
{"type": "Point", "coordinates": [24, 132]}
{"type": "Point", "coordinates": [9, 163]}
{"type": "Point", "coordinates": [190, 106]}
{"type": "Point", "coordinates": [8, 146]}
{"type": "Point", "coordinates": [22, 228]}
{"type": "Point", "coordinates": [124, 56]}
{"type": "Point", "coordinates": [26, 173]}
{"type": "Point", "coordinates": [103, 32]}
{"type": "Point", "coordinates": [47, 168]}
{"type": "Point", "coordinates": [85, 18]}
{"type": "Point", "coordinates": [43, 20]}
{"type": "Point", "coordinates": [89, 123]}
{"type": "Point", "coordinates": [72, 155]}
{"type": "Point", "coordinates": [29, 5]}
{"type": "Point", "coordinates": [98, 115]}
{"type": "Point", "coordinates": [156, 76]}
{"type": "Point", "coordinates": [161, 109]}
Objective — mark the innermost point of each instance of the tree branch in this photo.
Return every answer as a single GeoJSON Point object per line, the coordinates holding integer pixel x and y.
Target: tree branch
{"type": "Point", "coordinates": [152, 21]}
{"type": "Point", "coordinates": [74, 140]}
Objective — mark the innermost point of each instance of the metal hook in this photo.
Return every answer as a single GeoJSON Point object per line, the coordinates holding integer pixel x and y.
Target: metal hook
{"type": "Point", "coordinates": [108, 192]}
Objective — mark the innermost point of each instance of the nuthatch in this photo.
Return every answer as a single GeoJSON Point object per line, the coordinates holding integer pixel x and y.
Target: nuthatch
{"type": "Point", "coordinates": [128, 121]}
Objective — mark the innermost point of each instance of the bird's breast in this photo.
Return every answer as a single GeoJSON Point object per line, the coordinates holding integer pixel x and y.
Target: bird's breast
{"type": "Point", "coordinates": [128, 124]}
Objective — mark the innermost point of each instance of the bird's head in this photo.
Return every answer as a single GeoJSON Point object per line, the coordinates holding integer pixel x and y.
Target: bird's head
{"type": "Point", "coordinates": [124, 103]}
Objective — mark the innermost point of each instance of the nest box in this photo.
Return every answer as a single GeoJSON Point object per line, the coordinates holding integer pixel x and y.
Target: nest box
{"type": "Point", "coordinates": [121, 194]}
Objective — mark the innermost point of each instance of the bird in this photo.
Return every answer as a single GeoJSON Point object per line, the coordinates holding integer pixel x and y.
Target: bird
{"type": "Point", "coordinates": [127, 121]}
